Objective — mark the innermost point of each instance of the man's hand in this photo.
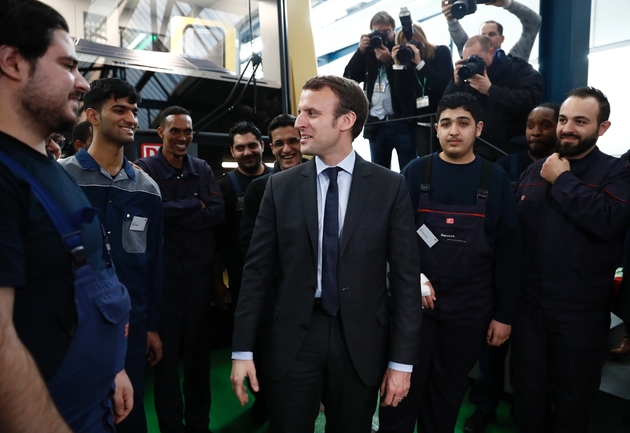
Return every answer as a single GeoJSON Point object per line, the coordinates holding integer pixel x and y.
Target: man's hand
{"type": "Point", "coordinates": [553, 167]}
{"type": "Point", "coordinates": [427, 301]}
{"type": "Point", "coordinates": [123, 397]}
{"type": "Point", "coordinates": [446, 9]}
{"type": "Point", "coordinates": [481, 83]}
{"type": "Point", "coordinates": [241, 370]}
{"type": "Point", "coordinates": [383, 55]}
{"type": "Point", "coordinates": [395, 387]}
{"type": "Point", "coordinates": [364, 42]}
{"type": "Point", "coordinates": [154, 348]}
{"type": "Point", "coordinates": [498, 333]}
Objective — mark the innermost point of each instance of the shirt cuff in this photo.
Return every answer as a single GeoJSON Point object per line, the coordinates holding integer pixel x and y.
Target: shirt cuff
{"type": "Point", "coordinates": [398, 67]}
{"type": "Point", "coordinates": [400, 367]}
{"type": "Point", "coordinates": [243, 356]}
{"type": "Point", "coordinates": [421, 64]}
{"type": "Point", "coordinates": [424, 285]}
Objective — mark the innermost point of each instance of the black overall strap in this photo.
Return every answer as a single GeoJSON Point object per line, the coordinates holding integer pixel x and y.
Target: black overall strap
{"type": "Point", "coordinates": [484, 181]}
{"type": "Point", "coordinates": [425, 186]}
{"type": "Point", "coordinates": [235, 184]}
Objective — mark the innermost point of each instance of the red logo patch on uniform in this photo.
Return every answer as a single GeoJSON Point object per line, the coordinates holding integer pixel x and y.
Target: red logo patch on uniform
{"type": "Point", "coordinates": [523, 197]}
{"type": "Point", "coordinates": [450, 220]}
{"type": "Point", "coordinates": [127, 329]}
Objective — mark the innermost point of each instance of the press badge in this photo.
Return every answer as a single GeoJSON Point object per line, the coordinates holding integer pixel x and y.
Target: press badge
{"type": "Point", "coordinates": [422, 102]}
{"type": "Point", "coordinates": [138, 224]}
{"type": "Point", "coordinates": [427, 236]}
{"type": "Point", "coordinates": [379, 86]}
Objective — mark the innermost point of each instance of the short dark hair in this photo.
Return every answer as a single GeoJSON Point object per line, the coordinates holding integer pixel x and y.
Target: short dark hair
{"type": "Point", "coordinates": [103, 89]}
{"type": "Point", "coordinates": [82, 132]}
{"type": "Point", "coordinates": [279, 122]}
{"type": "Point", "coordinates": [591, 92]}
{"type": "Point", "coordinates": [462, 100]}
{"type": "Point", "coordinates": [382, 17]}
{"type": "Point", "coordinates": [484, 42]}
{"type": "Point", "coordinates": [170, 111]}
{"type": "Point", "coordinates": [552, 106]}
{"type": "Point", "coordinates": [28, 25]}
{"type": "Point", "coordinates": [242, 128]}
{"type": "Point", "coordinates": [350, 97]}
{"type": "Point", "coordinates": [499, 26]}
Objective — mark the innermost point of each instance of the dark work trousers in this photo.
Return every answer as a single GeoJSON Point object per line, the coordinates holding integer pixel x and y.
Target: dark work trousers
{"type": "Point", "coordinates": [393, 135]}
{"type": "Point", "coordinates": [486, 392]}
{"type": "Point", "coordinates": [135, 366]}
{"type": "Point", "coordinates": [184, 329]}
{"type": "Point", "coordinates": [562, 351]}
{"type": "Point", "coordinates": [449, 350]}
{"type": "Point", "coordinates": [322, 371]}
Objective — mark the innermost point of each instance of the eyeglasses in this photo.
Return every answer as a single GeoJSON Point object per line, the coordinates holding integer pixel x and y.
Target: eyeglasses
{"type": "Point", "coordinates": [57, 138]}
{"type": "Point", "coordinates": [280, 143]}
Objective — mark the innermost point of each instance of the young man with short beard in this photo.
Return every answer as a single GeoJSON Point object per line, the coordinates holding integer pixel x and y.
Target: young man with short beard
{"type": "Point", "coordinates": [63, 311]}
{"type": "Point", "coordinates": [574, 211]}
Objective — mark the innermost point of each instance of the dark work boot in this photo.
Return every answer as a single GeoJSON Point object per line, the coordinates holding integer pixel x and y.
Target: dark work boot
{"type": "Point", "coordinates": [478, 421]}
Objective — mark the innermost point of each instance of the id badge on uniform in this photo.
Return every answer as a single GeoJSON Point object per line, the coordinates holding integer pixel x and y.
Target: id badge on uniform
{"type": "Point", "coordinates": [138, 224]}
{"type": "Point", "coordinates": [422, 102]}
{"type": "Point", "coordinates": [427, 235]}
{"type": "Point", "coordinates": [379, 87]}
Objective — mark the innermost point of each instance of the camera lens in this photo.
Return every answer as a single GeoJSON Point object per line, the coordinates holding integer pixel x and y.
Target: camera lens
{"type": "Point", "coordinates": [465, 72]}
{"type": "Point", "coordinates": [376, 41]}
{"type": "Point", "coordinates": [404, 55]}
{"type": "Point", "coordinates": [459, 9]}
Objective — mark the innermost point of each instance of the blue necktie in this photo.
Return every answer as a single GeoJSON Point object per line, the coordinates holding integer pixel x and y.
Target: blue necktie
{"type": "Point", "coordinates": [330, 244]}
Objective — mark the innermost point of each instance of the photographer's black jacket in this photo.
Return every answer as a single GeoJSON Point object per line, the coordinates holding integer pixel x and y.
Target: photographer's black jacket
{"type": "Point", "coordinates": [363, 68]}
{"type": "Point", "coordinates": [514, 93]}
{"type": "Point", "coordinates": [406, 85]}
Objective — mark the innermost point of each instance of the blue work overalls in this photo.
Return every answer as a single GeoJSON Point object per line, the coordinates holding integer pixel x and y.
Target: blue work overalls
{"type": "Point", "coordinates": [83, 385]}
{"type": "Point", "coordinates": [459, 267]}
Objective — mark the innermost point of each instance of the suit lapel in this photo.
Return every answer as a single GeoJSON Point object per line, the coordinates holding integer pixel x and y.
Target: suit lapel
{"type": "Point", "coordinates": [359, 192]}
{"type": "Point", "coordinates": [308, 193]}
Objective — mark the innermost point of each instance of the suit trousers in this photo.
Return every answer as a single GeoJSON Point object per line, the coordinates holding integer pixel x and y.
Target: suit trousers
{"type": "Point", "coordinates": [448, 350]}
{"type": "Point", "coordinates": [561, 351]}
{"type": "Point", "coordinates": [322, 371]}
{"type": "Point", "coordinates": [184, 329]}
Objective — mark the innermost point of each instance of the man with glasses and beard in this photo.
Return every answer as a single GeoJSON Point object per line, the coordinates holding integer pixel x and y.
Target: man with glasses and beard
{"type": "Point", "coordinates": [63, 311]}
{"type": "Point", "coordinates": [574, 211]}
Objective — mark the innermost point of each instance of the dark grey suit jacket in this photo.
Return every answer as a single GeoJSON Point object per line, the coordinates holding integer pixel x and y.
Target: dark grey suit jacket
{"type": "Point", "coordinates": [378, 228]}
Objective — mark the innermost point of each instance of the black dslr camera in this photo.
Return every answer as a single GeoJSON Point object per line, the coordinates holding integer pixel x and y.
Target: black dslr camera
{"type": "Point", "coordinates": [471, 66]}
{"type": "Point", "coordinates": [378, 38]}
{"type": "Point", "coordinates": [405, 54]}
{"type": "Point", "coordinates": [461, 8]}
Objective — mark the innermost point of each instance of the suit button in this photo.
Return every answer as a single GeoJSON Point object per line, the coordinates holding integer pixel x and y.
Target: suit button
{"type": "Point", "coordinates": [303, 327]}
{"type": "Point", "coordinates": [312, 289]}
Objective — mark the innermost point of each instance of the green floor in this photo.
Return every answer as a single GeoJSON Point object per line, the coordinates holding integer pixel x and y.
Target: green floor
{"type": "Point", "coordinates": [227, 415]}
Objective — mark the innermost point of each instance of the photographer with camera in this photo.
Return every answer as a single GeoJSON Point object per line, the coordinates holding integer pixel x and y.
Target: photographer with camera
{"type": "Point", "coordinates": [372, 65]}
{"type": "Point", "coordinates": [421, 73]}
{"type": "Point", "coordinates": [507, 89]}
{"type": "Point", "coordinates": [531, 21]}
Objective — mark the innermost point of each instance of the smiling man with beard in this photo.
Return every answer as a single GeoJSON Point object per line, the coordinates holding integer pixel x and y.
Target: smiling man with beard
{"type": "Point", "coordinates": [247, 149]}
{"type": "Point", "coordinates": [129, 206]}
{"type": "Point", "coordinates": [62, 309]}
{"type": "Point", "coordinates": [574, 212]}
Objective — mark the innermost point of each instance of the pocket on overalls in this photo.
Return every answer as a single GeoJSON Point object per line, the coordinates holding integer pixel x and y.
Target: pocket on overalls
{"type": "Point", "coordinates": [114, 304]}
{"type": "Point", "coordinates": [134, 231]}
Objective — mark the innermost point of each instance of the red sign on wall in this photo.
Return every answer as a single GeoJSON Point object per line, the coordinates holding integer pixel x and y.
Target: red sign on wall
{"type": "Point", "coordinates": [149, 149]}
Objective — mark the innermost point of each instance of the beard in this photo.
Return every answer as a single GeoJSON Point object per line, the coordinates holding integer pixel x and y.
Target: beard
{"type": "Point", "coordinates": [581, 147]}
{"type": "Point", "coordinates": [44, 108]}
{"type": "Point", "coordinates": [252, 166]}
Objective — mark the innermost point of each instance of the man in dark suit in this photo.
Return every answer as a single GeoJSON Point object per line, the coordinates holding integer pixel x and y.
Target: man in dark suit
{"type": "Point", "coordinates": [324, 235]}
